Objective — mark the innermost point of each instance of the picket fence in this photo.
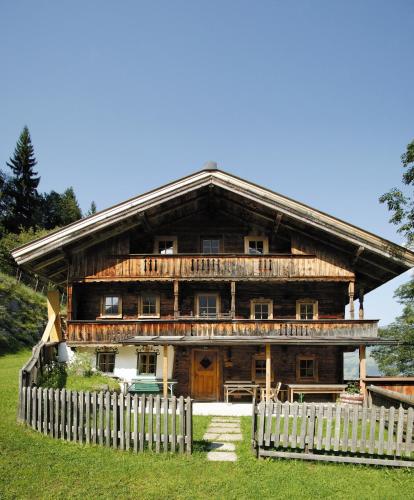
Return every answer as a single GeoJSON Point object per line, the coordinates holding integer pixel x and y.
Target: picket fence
{"type": "Point", "coordinates": [334, 433]}
{"type": "Point", "coordinates": [126, 422]}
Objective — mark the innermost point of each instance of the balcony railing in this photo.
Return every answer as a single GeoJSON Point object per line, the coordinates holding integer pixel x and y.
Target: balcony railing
{"type": "Point", "coordinates": [223, 266]}
{"type": "Point", "coordinates": [113, 331]}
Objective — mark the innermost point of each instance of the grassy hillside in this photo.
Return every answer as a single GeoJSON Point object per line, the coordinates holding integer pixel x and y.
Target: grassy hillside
{"type": "Point", "coordinates": [23, 315]}
{"type": "Point", "coordinates": [36, 466]}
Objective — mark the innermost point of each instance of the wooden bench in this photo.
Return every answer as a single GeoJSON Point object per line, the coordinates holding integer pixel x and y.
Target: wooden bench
{"type": "Point", "coordinates": [334, 389]}
{"type": "Point", "coordinates": [240, 388]}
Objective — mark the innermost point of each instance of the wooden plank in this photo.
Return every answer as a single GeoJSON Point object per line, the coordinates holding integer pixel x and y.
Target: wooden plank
{"type": "Point", "coordinates": [51, 411]}
{"type": "Point", "coordinates": [173, 423]}
{"type": "Point", "coordinates": [87, 417]}
{"type": "Point", "coordinates": [45, 410]}
{"type": "Point", "coordinates": [189, 425]}
{"type": "Point", "coordinates": [40, 409]}
{"type": "Point", "coordinates": [94, 423]}
{"type": "Point", "coordinates": [381, 431]}
{"type": "Point", "coordinates": [136, 423]}
{"type": "Point", "coordinates": [311, 428]}
{"type": "Point", "coordinates": [336, 459]}
{"type": "Point", "coordinates": [182, 424]}
{"type": "Point", "coordinates": [75, 415]}
{"type": "Point", "coordinates": [115, 424]}
{"type": "Point", "coordinates": [286, 407]}
{"type": "Point", "coordinates": [302, 437]}
{"type": "Point", "coordinates": [142, 422]}
{"type": "Point", "coordinates": [107, 399]}
{"type": "Point", "coordinates": [363, 440]}
{"type": "Point", "coordinates": [345, 432]}
{"type": "Point", "coordinates": [372, 425]}
{"type": "Point", "coordinates": [28, 405]}
{"type": "Point", "coordinates": [121, 421]}
{"type": "Point", "coordinates": [400, 430]}
{"type": "Point", "coordinates": [69, 432]}
{"type": "Point", "coordinates": [390, 441]}
{"type": "Point", "coordinates": [34, 407]}
{"type": "Point", "coordinates": [150, 421]}
{"type": "Point", "coordinates": [262, 412]}
{"type": "Point", "coordinates": [128, 422]}
{"type": "Point", "coordinates": [63, 414]}
{"type": "Point", "coordinates": [268, 424]}
{"type": "Point", "coordinates": [165, 426]}
{"type": "Point", "coordinates": [81, 423]}
{"type": "Point", "coordinates": [57, 412]}
{"type": "Point", "coordinates": [101, 418]}
{"type": "Point", "coordinates": [328, 435]}
{"type": "Point", "coordinates": [409, 432]}
{"type": "Point", "coordinates": [294, 412]}
{"type": "Point", "coordinates": [354, 435]}
{"type": "Point", "coordinates": [319, 434]}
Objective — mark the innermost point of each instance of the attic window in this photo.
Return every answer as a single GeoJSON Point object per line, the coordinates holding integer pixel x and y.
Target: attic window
{"type": "Point", "coordinates": [256, 245]}
{"type": "Point", "coordinates": [307, 309]}
{"type": "Point", "coordinates": [111, 306]}
{"type": "Point", "coordinates": [166, 245]}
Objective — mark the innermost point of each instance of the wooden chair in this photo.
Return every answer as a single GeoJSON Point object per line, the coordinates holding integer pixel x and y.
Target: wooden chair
{"type": "Point", "coordinates": [274, 392]}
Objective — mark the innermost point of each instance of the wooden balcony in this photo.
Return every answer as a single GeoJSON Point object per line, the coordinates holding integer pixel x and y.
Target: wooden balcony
{"type": "Point", "coordinates": [101, 331]}
{"type": "Point", "coordinates": [211, 267]}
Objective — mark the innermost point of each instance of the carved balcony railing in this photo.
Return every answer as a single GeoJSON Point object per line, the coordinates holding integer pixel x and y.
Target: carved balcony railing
{"type": "Point", "coordinates": [224, 266]}
{"type": "Point", "coordinates": [112, 331]}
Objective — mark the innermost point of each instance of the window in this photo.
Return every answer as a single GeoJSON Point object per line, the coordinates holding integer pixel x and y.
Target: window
{"type": "Point", "coordinates": [256, 245]}
{"type": "Point", "coordinates": [105, 362]}
{"type": "Point", "coordinates": [210, 245]}
{"type": "Point", "coordinates": [261, 309]}
{"type": "Point", "coordinates": [111, 306]}
{"type": "Point", "coordinates": [259, 368]}
{"type": "Point", "coordinates": [306, 369]}
{"type": "Point", "coordinates": [149, 305]}
{"type": "Point", "coordinates": [165, 245]}
{"type": "Point", "coordinates": [147, 363]}
{"type": "Point", "coordinates": [207, 305]}
{"type": "Point", "coordinates": [307, 309]}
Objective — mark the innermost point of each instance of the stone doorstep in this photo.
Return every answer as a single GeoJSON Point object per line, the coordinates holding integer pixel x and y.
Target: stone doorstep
{"type": "Point", "coordinates": [221, 430]}
{"type": "Point", "coordinates": [215, 446]}
{"type": "Point", "coordinates": [221, 456]}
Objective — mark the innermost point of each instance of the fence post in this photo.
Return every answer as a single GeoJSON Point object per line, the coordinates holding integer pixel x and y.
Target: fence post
{"type": "Point", "coordinates": [189, 419]}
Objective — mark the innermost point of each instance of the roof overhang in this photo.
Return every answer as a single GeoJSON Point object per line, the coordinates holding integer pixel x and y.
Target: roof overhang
{"type": "Point", "coordinates": [51, 248]}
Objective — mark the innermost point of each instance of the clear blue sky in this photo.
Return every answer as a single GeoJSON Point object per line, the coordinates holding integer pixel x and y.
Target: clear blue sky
{"type": "Point", "coordinates": [313, 99]}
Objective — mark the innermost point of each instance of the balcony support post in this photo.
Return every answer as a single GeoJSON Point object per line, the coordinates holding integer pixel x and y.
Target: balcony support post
{"type": "Point", "coordinates": [361, 303]}
{"type": "Point", "coordinates": [233, 300]}
{"type": "Point", "coordinates": [351, 292]}
{"type": "Point", "coordinates": [165, 371]}
{"type": "Point", "coordinates": [362, 370]}
{"type": "Point", "coordinates": [176, 312]}
{"type": "Point", "coordinates": [268, 370]}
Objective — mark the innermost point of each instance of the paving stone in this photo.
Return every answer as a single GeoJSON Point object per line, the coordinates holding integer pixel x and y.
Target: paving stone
{"type": "Point", "coordinates": [209, 436]}
{"type": "Point", "coordinates": [221, 430]}
{"type": "Point", "coordinates": [215, 446]}
{"type": "Point", "coordinates": [225, 424]}
{"type": "Point", "coordinates": [229, 437]}
{"type": "Point", "coordinates": [225, 419]}
{"type": "Point", "coordinates": [221, 456]}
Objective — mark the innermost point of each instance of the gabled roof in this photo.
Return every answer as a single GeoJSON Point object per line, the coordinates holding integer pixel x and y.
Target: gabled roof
{"type": "Point", "coordinates": [37, 254]}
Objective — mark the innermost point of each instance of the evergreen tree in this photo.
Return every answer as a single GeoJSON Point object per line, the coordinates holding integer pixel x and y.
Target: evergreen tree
{"type": "Point", "coordinates": [70, 210]}
{"type": "Point", "coordinates": [21, 191]}
{"type": "Point", "coordinates": [60, 209]}
{"type": "Point", "coordinates": [92, 209]}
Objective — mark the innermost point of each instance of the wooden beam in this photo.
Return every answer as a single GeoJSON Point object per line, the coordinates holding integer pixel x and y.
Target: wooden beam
{"type": "Point", "coordinates": [362, 370]}
{"type": "Point", "coordinates": [277, 223]}
{"type": "Point", "coordinates": [268, 370]}
{"type": "Point", "coordinates": [351, 291]}
{"type": "Point", "coordinates": [145, 223]}
{"type": "Point", "coordinates": [165, 371]}
{"type": "Point", "coordinates": [357, 255]}
{"type": "Point", "coordinates": [53, 331]}
{"type": "Point", "coordinates": [176, 297]}
{"type": "Point", "coordinates": [361, 303]}
{"type": "Point", "coordinates": [233, 299]}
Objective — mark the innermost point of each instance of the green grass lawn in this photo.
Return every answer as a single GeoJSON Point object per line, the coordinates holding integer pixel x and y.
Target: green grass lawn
{"type": "Point", "coordinates": [35, 466]}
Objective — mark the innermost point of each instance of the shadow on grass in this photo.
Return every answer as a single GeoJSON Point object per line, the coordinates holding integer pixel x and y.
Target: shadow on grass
{"type": "Point", "coordinates": [201, 446]}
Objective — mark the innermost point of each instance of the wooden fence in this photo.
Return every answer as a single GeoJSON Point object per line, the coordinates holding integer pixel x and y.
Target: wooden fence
{"type": "Point", "coordinates": [334, 433]}
{"type": "Point", "coordinates": [42, 354]}
{"type": "Point", "coordinates": [115, 420]}
{"type": "Point", "coordinates": [378, 396]}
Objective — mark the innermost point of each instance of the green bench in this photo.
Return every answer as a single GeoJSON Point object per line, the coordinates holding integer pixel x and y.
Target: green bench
{"type": "Point", "coordinates": [144, 387]}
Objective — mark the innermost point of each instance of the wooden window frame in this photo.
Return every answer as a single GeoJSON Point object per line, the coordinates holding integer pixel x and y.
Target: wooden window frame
{"type": "Point", "coordinates": [157, 240]}
{"type": "Point", "coordinates": [310, 357]}
{"type": "Point", "coordinates": [157, 306]}
{"type": "Point", "coordinates": [211, 237]}
{"type": "Point", "coordinates": [139, 354]}
{"type": "Point", "coordinates": [99, 353]}
{"type": "Point", "coordinates": [260, 356]}
{"type": "Point", "coordinates": [248, 239]}
{"type": "Point", "coordinates": [117, 316]}
{"type": "Point", "coordinates": [253, 303]}
{"type": "Point", "coordinates": [307, 301]}
{"type": "Point", "coordinates": [207, 294]}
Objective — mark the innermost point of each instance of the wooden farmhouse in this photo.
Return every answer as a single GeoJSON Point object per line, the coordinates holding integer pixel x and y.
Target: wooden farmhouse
{"type": "Point", "coordinates": [213, 281]}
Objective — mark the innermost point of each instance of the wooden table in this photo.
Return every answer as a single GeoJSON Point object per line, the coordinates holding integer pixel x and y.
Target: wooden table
{"type": "Point", "coordinates": [333, 389]}
{"type": "Point", "coordinates": [240, 388]}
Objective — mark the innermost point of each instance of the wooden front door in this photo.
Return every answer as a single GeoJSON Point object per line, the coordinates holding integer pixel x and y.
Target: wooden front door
{"type": "Point", "coordinates": [205, 374]}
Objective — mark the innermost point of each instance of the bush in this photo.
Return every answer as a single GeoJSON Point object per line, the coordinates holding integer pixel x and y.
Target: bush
{"type": "Point", "coordinates": [81, 365]}
{"type": "Point", "coordinates": [54, 375]}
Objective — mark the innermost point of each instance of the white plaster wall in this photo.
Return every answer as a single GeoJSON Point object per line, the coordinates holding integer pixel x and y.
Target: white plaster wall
{"type": "Point", "coordinates": [126, 362]}
{"type": "Point", "coordinates": [65, 353]}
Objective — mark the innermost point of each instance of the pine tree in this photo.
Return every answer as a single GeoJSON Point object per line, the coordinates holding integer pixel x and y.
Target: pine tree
{"type": "Point", "coordinates": [92, 209]}
{"type": "Point", "coordinates": [69, 207]}
{"type": "Point", "coordinates": [21, 190]}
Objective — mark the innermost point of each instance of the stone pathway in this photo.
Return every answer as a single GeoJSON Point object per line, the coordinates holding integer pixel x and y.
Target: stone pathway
{"type": "Point", "coordinates": [221, 434]}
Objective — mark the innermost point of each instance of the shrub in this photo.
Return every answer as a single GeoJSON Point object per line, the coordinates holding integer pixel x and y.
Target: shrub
{"type": "Point", "coordinates": [81, 365]}
{"type": "Point", "coordinates": [54, 375]}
